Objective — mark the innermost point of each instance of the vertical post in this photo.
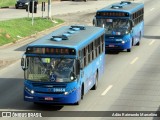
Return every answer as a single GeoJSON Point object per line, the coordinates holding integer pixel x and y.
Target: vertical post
{"type": "Point", "coordinates": [43, 8]}
{"type": "Point", "coordinates": [28, 9]}
{"type": "Point", "coordinates": [32, 12]}
{"type": "Point", "coordinates": [49, 9]}
{"type": "Point", "coordinates": [42, 13]}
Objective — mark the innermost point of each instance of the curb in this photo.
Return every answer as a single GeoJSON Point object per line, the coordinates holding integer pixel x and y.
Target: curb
{"type": "Point", "coordinates": [4, 7]}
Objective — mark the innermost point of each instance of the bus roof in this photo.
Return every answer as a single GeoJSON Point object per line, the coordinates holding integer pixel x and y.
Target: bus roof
{"type": "Point", "coordinates": [123, 6]}
{"type": "Point", "coordinates": [77, 39]}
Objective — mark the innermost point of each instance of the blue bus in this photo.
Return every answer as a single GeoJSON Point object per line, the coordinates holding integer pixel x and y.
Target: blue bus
{"type": "Point", "coordinates": [61, 67]}
{"type": "Point", "coordinates": [123, 23]}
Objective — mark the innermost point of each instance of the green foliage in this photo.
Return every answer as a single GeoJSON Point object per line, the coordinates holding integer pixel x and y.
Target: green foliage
{"type": "Point", "coordinates": [4, 3]}
{"type": "Point", "coordinates": [13, 30]}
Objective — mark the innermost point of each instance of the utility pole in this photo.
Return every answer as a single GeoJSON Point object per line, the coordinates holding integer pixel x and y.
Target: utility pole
{"type": "Point", "coordinates": [32, 12]}
{"type": "Point", "coordinates": [28, 9]}
{"type": "Point", "coordinates": [43, 8]}
{"type": "Point", "coordinates": [49, 9]}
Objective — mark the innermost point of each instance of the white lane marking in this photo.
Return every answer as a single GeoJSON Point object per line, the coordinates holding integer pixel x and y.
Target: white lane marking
{"type": "Point", "coordinates": [133, 61]}
{"type": "Point", "coordinates": [152, 9]}
{"type": "Point", "coordinates": [105, 92]}
{"type": "Point", "coordinates": [151, 42]}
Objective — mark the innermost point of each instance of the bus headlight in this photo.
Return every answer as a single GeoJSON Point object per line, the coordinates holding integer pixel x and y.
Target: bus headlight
{"type": "Point", "coordinates": [72, 78]}
{"type": "Point", "coordinates": [127, 32]}
{"type": "Point", "coordinates": [123, 41]}
{"type": "Point", "coordinates": [30, 91]}
{"type": "Point", "coordinates": [26, 3]}
{"type": "Point", "coordinates": [66, 93]}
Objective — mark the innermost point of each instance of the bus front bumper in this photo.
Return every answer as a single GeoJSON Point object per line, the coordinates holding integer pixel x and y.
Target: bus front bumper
{"type": "Point", "coordinates": [117, 46]}
{"type": "Point", "coordinates": [70, 98]}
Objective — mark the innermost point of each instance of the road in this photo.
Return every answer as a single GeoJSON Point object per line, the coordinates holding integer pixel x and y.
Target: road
{"type": "Point", "coordinates": [64, 7]}
{"type": "Point", "coordinates": [130, 82]}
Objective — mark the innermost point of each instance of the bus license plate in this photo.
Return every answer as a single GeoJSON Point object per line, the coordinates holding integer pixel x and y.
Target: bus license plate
{"type": "Point", "coordinates": [111, 45]}
{"type": "Point", "coordinates": [48, 98]}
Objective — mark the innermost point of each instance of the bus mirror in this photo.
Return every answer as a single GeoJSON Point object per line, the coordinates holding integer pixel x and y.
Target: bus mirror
{"type": "Point", "coordinates": [23, 63]}
{"type": "Point", "coordinates": [94, 21]}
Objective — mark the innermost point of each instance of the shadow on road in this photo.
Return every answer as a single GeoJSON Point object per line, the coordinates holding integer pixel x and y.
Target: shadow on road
{"type": "Point", "coordinates": [23, 48]}
{"type": "Point", "coordinates": [113, 52]}
{"type": "Point", "coordinates": [11, 97]}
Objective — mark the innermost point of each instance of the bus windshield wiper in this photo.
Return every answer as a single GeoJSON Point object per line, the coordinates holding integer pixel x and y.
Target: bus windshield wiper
{"type": "Point", "coordinates": [59, 61]}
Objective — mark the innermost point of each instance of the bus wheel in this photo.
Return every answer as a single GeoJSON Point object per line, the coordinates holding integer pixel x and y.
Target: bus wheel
{"type": "Point", "coordinates": [138, 43]}
{"type": "Point", "coordinates": [139, 39]}
{"type": "Point", "coordinates": [129, 50]}
{"type": "Point", "coordinates": [78, 102]}
{"type": "Point", "coordinates": [96, 83]}
{"type": "Point", "coordinates": [81, 97]}
{"type": "Point", "coordinates": [82, 91]}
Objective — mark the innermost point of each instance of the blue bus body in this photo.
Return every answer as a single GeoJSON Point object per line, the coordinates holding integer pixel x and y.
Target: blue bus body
{"type": "Point", "coordinates": [126, 22]}
{"type": "Point", "coordinates": [49, 60]}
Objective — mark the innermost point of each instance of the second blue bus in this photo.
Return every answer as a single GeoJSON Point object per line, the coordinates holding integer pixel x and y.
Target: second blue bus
{"type": "Point", "coordinates": [124, 25]}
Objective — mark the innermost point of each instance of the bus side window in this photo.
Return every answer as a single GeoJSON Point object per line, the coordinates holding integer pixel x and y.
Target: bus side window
{"type": "Point", "coordinates": [88, 54]}
{"type": "Point", "coordinates": [86, 50]}
{"type": "Point", "coordinates": [103, 47]}
{"type": "Point", "coordinates": [79, 54]}
{"type": "Point", "coordinates": [81, 58]}
{"type": "Point", "coordinates": [99, 45]}
{"type": "Point", "coordinates": [92, 45]}
{"type": "Point", "coordinates": [95, 49]}
{"type": "Point", "coordinates": [84, 58]}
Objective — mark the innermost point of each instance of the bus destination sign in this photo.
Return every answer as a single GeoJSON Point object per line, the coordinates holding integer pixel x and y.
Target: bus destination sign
{"type": "Point", "coordinates": [113, 14]}
{"type": "Point", "coordinates": [51, 51]}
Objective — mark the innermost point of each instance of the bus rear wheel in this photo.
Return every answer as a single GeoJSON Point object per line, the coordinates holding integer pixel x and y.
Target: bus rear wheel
{"type": "Point", "coordinates": [138, 43]}
{"type": "Point", "coordinates": [129, 50]}
{"type": "Point", "coordinates": [139, 39]}
{"type": "Point", "coordinates": [96, 83]}
{"type": "Point", "coordinates": [81, 96]}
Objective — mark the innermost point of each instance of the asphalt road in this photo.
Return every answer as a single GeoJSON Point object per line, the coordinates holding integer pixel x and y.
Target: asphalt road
{"type": "Point", "coordinates": [130, 82]}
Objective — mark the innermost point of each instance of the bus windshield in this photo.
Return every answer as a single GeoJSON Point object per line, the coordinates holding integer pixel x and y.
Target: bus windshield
{"type": "Point", "coordinates": [114, 26]}
{"type": "Point", "coordinates": [50, 69]}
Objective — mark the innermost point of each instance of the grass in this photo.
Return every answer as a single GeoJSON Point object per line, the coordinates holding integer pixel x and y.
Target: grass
{"type": "Point", "coordinates": [4, 3]}
{"type": "Point", "coordinates": [13, 30]}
